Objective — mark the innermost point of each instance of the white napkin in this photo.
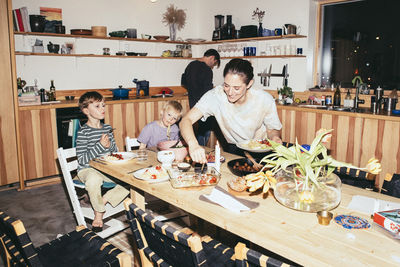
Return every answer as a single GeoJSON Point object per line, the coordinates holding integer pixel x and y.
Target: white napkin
{"type": "Point", "coordinates": [226, 201]}
{"type": "Point", "coordinates": [370, 205]}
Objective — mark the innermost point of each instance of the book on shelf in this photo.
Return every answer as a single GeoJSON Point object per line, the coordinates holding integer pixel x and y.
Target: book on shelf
{"type": "Point", "coordinates": [390, 220]}
{"type": "Point", "coordinates": [25, 18]}
{"type": "Point", "coordinates": [19, 20]}
{"type": "Point", "coordinates": [15, 21]}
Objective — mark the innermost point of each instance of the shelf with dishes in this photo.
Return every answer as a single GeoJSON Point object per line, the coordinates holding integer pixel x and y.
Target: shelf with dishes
{"type": "Point", "coordinates": [188, 41]}
{"type": "Point", "coordinates": [93, 55]}
{"type": "Point", "coordinates": [149, 57]}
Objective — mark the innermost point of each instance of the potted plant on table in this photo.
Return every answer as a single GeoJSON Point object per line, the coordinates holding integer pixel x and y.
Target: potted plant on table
{"type": "Point", "coordinates": [175, 18]}
{"type": "Point", "coordinates": [304, 174]}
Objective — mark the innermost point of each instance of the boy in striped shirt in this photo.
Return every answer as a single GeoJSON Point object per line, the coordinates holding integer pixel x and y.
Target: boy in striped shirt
{"type": "Point", "coordinates": [94, 140]}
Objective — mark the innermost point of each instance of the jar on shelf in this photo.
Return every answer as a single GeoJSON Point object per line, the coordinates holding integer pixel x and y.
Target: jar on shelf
{"type": "Point", "coordinates": [178, 50]}
{"type": "Point", "coordinates": [185, 51]}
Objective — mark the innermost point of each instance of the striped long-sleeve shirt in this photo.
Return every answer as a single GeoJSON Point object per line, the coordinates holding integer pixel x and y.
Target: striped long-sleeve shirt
{"type": "Point", "coordinates": [88, 145]}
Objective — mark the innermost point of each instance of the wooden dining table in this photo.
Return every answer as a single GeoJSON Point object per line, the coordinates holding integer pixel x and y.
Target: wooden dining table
{"type": "Point", "coordinates": [292, 234]}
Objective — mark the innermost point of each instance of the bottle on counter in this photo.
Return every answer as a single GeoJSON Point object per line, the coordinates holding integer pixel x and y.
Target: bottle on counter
{"type": "Point", "coordinates": [348, 102]}
{"type": "Point", "coordinates": [52, 96]}
{"type": "Point", "coordinates": [336, 97]}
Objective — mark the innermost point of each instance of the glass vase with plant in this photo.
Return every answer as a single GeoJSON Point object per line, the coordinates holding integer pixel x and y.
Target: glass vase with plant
{"type": "Point", "coordinates": [175, 18]}
{"type": "Point", "coordinates": [304, 178]}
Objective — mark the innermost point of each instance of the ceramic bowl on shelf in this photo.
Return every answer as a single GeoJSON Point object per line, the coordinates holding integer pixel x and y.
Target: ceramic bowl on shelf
{"type": "Point", "coordinates": [161, 37]}
{"type": "Point", "coordinates": [81, 32]}
{"type": "Point", "coordinates": [131, 53]}
{"type": "Point", "coordinates": [120, 34]}
{"type": "Point", "coordinates": [142, 54]}
{"type": "Point", "coordinates": [53, 48]}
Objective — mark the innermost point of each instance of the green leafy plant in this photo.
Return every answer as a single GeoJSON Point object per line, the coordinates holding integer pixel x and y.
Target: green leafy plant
{"type": "Point", "coordinates": [312, 165]}
{"type": "Point", "coordinates": [286, 91]}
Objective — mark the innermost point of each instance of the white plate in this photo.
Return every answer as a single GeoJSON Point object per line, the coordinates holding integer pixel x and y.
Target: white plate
{"type": "Point", "coordinates": [243, 145]}
{"type": "Point", "coordinates": [126, 156]}
{"type": "Point", "coordinates": [139, 175]}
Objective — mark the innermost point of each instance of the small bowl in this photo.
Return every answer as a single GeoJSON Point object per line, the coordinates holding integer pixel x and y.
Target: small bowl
{"type": "Point", "coordinates": [69, 97]}
{"type": "Point", "coordinates": [396, 111]}
{"type": "Point", "coordinates": [131, 53]}
{"type": "Point", "coordinates": [324, 217]}
{"type": "Point", "coordinates": [180, 152]}
{"type": "Point", "coordinates": [120, 34]}
{"type": "Point", "coordinates": [53, 48]}
{"type": "Point", "coordinates": [120, 53]}
{"type": "Point", "coordinates": [146, 36]}
{"type": "Point", "coordinates": [142, 54]}
{"type": "Point", "coordinates": [183, 166]}
{"type": "Point", "coordinates": [161, 37]}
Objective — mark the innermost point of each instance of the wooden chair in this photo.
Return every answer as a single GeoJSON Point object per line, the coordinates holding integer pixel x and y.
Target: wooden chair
{"type": "Point", "coordinates": [81, 247]}
{"type": "Point", "coordinates": [245, 257]}
{"type": "Point", "coordinates": [164, 245]}
{"type": "Point", "coordinates": [68, 164]}
{"type": "Point", "coordinates": [391, 185]}
{"type": "Point", "coordinates": [131, 142]}
{"type": "Point", "coordinates": [356, 177]}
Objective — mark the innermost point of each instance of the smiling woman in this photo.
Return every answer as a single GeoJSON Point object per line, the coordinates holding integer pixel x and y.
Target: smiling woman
{"type": "Point", "coordinates": [232, 105]}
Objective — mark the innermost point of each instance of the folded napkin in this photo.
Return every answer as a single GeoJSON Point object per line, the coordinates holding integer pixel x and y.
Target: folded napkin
{"type": "Point", "coordinates": [370, 205]}
{"type": "Point", "coordinates": [222, 197]}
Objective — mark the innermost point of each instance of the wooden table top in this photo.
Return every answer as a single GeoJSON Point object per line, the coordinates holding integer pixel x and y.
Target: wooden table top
{"type": "Point", "coordinates": [293, 234]}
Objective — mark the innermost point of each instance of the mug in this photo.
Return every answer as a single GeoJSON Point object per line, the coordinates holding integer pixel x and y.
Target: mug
{"type": "Point", "coordinates": [278, 31]}
{"type": "Point", "coordinates": [131, 33]}
{"type": "Point", "coordinates": [267, 32]}
{"type": "Point", "coordinates": [299, 51]}
{"type": "Point", "coordinates": [60, 28]}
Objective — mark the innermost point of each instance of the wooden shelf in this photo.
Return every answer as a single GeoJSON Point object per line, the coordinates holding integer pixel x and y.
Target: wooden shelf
{"type": "Point", "coordinates": [149, 57]}
{"type": "Point", "coordinates": [290, 36]}
{"type": "Point", "coordinates": [93, 55]}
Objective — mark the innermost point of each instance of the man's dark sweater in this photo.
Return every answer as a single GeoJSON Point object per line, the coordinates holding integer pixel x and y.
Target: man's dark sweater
{"type": "Point", "coordinates": [197, 79]}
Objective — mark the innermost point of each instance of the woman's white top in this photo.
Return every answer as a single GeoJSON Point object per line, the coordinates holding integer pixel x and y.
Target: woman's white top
{"type": "Point", "coordinates": [240, 122]}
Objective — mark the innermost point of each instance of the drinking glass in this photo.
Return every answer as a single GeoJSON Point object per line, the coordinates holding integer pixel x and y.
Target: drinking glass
{"type": "Point", "coordinates": [142, 155]}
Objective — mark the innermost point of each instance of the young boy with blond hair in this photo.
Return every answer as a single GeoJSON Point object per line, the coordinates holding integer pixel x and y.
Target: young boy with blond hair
{"type": "Point", "coordinates": [163, 129]}
{"type": "Point", "coordinates": [95, 139]}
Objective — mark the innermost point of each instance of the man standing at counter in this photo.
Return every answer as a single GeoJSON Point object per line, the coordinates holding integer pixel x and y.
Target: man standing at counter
{"type": "Point", "coordinates": [197, 79]}
{"type": "Point", "coordinates": [242, 113]}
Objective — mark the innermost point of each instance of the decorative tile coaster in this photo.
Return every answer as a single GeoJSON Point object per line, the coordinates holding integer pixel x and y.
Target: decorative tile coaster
{"type": "Point", "coordinates": [352, 222]}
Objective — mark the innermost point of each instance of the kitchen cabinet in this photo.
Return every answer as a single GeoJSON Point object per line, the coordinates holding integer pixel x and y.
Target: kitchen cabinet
{"type": "Point", "coordinates": [9, 172]}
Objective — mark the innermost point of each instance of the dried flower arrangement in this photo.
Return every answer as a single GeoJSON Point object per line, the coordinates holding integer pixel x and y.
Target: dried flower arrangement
{"type": "Point", "coordinates": [258, 14]}
{"type": "Point", "coordinates": [174, 15]}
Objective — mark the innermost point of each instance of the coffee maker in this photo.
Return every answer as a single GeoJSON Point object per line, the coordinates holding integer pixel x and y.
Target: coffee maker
{"type": "Point", "coordinates": [142, 87]}
{"type": "Point", "coordinates": [219, 21]}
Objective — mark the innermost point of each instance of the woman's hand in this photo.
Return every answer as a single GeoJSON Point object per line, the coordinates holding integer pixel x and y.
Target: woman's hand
{"type": "Point", "coordinates": [197, 153]}
{"type": "Point", "coordinates": [105, 141]}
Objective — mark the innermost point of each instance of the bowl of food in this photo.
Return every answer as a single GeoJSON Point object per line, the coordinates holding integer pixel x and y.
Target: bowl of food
{"type": "Point", "coordinates": [242, 166]}
{"type": "Point", "coordinates": [178, 148]}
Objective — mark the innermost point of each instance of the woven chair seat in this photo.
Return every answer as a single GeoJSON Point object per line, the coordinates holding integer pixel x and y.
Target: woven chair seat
{"type": "Point", "coordinates": [78, 248]}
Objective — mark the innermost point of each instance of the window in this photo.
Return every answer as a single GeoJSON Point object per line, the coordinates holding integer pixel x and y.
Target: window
{"type": "Point", "coordinates": [360, 38]}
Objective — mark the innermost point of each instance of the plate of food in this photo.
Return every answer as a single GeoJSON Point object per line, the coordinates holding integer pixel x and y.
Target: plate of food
{"type": "Point", "coordinates": [255, 145]}
{"type": "Point", "coordinates": [155, 174]}
{"type": "Point", "coordinates": [119, 157]}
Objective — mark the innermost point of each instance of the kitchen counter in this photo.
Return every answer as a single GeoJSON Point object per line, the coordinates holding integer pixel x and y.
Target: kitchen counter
{"type": "Point", "coordinates": [108, 100]}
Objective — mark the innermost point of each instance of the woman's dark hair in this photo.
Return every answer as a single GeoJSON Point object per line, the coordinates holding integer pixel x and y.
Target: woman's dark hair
{"type": "Point", "coordinates": [89, 97]}
{"type": "Point", "coordinates": [241, 67]}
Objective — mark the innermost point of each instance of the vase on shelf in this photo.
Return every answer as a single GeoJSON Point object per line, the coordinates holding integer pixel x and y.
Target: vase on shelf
{"type": "Point", "coordinates": [172, 31]}
{"type": "Point", "coordinates": [295, 194]}
{"type": "Point", "coordinates": [260, 29]}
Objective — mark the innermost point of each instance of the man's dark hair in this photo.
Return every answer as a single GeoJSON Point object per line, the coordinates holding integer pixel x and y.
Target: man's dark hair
{"type": "Point", "coordinates": [213, 52]}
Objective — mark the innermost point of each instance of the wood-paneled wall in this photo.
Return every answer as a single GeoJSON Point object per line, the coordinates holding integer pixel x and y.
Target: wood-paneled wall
{"type": "Point", "coordinates": [39, 132]}
{"type": "Point", "coordinates": [355, 139]}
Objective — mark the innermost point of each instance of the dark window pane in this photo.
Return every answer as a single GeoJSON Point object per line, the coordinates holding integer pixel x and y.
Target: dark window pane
{"type": "Point", "coordinates": [361, 38]}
